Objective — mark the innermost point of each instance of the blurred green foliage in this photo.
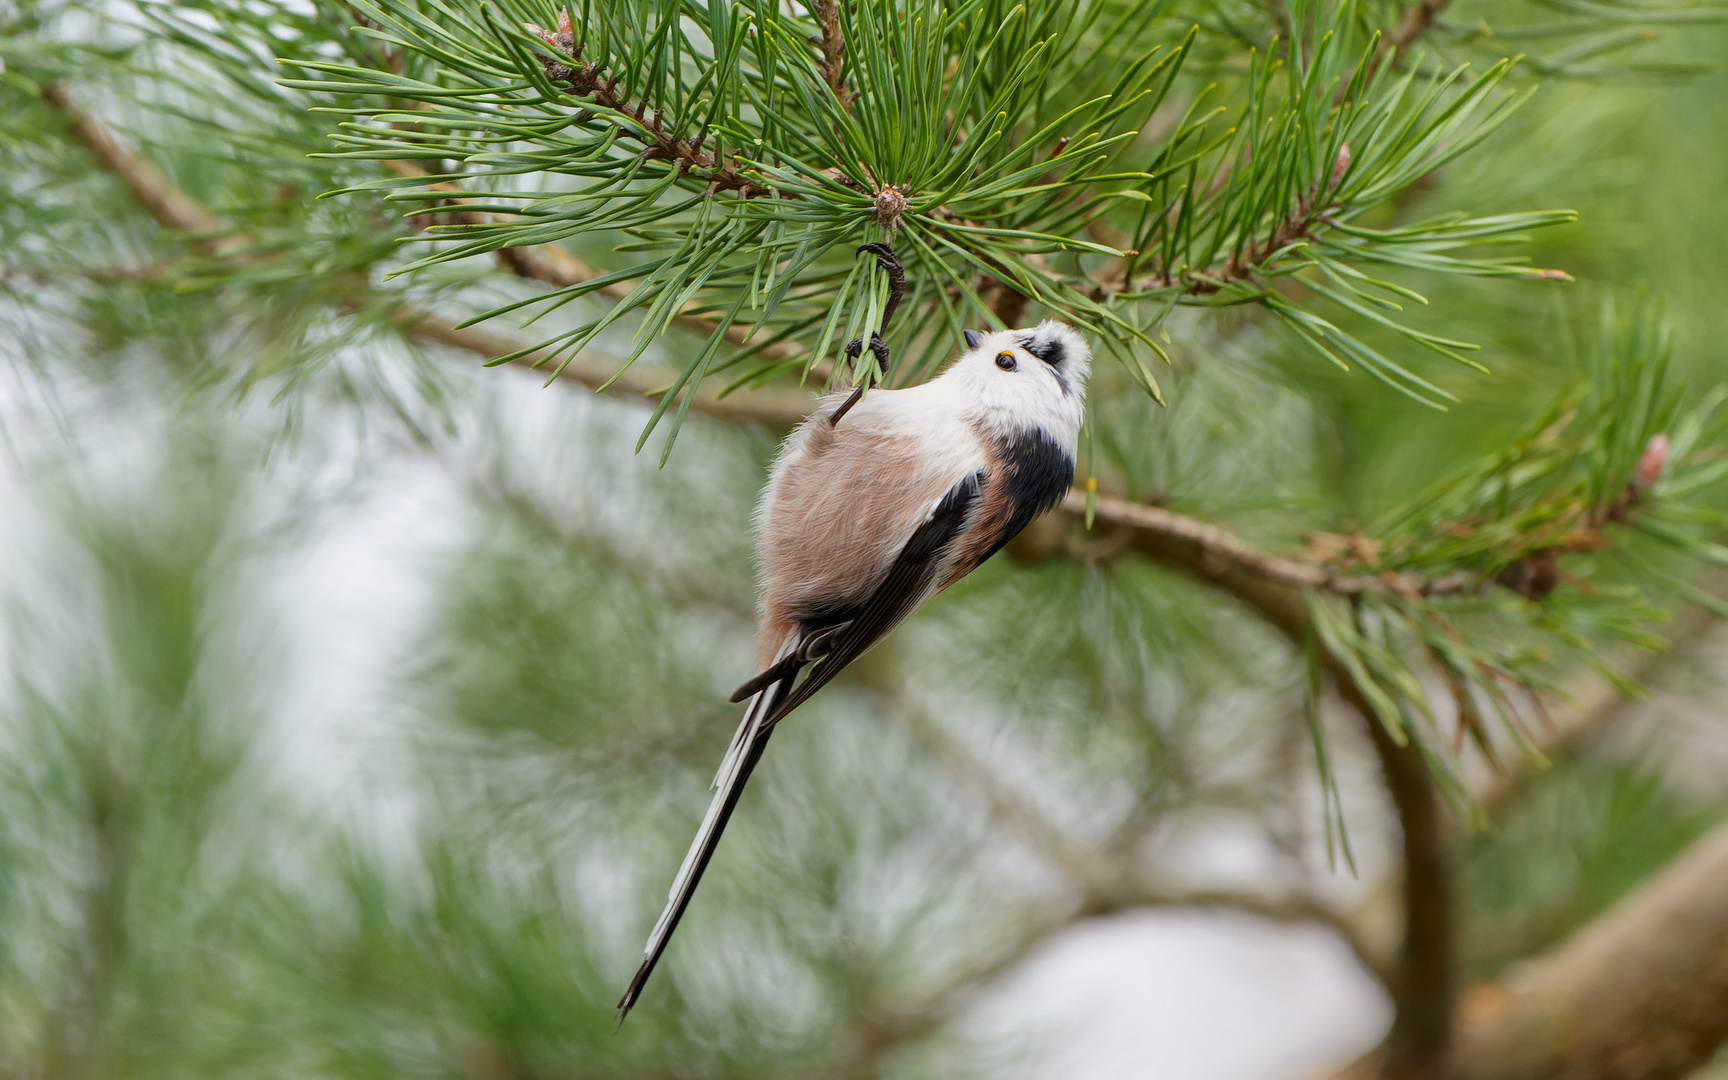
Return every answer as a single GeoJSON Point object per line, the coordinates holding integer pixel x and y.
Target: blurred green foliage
{"type": "Point", "coordinates": [183, 423]}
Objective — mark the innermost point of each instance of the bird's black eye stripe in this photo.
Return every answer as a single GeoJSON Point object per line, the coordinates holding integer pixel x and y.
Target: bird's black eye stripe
{"type": "Point", "coordinates": [1051, 352]}
{"type": "Point", "coordinates": [1005, 361]}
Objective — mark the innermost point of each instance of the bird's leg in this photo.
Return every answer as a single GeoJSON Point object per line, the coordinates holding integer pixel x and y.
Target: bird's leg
{"type": "Point", "coordinates": [885, 259]}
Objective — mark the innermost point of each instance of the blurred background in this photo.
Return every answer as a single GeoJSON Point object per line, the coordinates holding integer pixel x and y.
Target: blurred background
{"type": "Point", "coordinates": [357, 702]}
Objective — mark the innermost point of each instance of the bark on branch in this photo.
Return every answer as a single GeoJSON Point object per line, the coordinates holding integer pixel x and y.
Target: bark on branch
{"type": "Point", "coordinates": [1422, 985]}
{"type": "Point", "coordinates": [832, 42]}
{"type": "Point", "coordinates": [640, 122]}
{"type": "Point", "coordinates": [172, 208]}
{"type": "Point", "coordinates": [1641, 993]}
{"type": "Point", "coordinates": [1417, 20]}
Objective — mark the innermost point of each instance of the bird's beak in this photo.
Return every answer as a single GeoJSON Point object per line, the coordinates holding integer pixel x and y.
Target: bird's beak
{"type": "Point", "coordinates": [973, 338]}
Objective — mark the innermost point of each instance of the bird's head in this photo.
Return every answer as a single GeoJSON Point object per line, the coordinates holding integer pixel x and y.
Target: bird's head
{"type": "Point", "coordinates": [1019, 379]}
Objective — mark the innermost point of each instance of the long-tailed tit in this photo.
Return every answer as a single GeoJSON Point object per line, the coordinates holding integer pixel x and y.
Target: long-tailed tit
{"type": "Point", "coordinates": [871, 510]}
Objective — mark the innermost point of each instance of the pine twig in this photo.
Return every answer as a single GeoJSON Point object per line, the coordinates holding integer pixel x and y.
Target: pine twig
{"type": "Point", "coordinates": [175, 209]}
{"type": "Point", "coordinates": [172, 208]}
{"type": "Point", "coordinates": [832, 42]}
{"type": "Point", "coordinates": [773, 408]}
{"type": "Point", "coordinates": [155, 192]}
{"type": "Point", "coordinates": [1217, 546]}
{"type": "Point", "coordinates": [553, 265]}
{"type": "Point", "coordinates": [1417, 19]}
{"type": "Point", "coordinates": [659, 144]}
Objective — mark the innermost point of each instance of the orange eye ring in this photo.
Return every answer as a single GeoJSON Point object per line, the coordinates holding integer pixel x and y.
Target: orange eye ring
{"type": "Point", "coordinates": [1006, 361]}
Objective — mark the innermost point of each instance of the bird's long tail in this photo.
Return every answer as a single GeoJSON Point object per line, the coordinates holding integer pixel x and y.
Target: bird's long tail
{"type": "Point", "coordinates": [735, 768]}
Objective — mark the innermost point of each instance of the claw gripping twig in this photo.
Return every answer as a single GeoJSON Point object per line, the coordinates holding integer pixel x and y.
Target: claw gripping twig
{"type": "Point", "coordinates": [886, 259]}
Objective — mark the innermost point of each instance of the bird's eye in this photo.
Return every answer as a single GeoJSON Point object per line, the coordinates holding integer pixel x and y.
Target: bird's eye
{"type": "Point", "coordinates": [1005, 361]}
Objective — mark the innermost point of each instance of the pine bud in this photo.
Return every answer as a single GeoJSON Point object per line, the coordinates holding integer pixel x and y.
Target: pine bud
{"type": "Point", "coordinates": [1651, 464]}
{"type": "Point", "coordinates": [889, 204]}
{"type": "Point", "coordinates": [563, 39]}
{"type": "Point", "coordinates": [1340, 165]}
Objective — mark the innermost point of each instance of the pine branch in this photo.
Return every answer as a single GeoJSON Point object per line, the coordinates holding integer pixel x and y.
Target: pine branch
{"type": "Point", "coordinates": [830, 189]}
{"type": "Point", "coordinates": [158, 195]}
{"type": "Point", "coordinates": [551, 264]}
{"type": "Point", "coordinates": [832, 42]}
{"type": "Point", "coordinates": [1422, 981]}
{"type": "Point", "coordinates": [1530, 573]}
{"type": "Point", "coordinates": [1218, 546]}
{"type": "Point", "coordinates": [1417, 19]}
{"type": "Point", "coordinates": [174, 209]}
{"type": "Point", "coordinates": [589, 81]}
{"type": "Point", "coordinates": [980, 179]}
{"type": "Point", "coordinates": [1639, 993]}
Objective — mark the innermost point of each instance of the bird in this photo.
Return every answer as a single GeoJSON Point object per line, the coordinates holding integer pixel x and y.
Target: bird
{"type": "Point", "coordinates": [870, 510]}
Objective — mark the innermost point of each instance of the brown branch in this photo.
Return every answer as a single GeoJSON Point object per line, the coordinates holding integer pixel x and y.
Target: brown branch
{"type": "Point", "coordinates": [780, 409]}
{"type": "Point", "coordinates": [1661, 1019]}
{"type": "Point", "coordinates": [174, 209]}
{"type": "Point", "coordinates": [659, 144]}
{"type": "Point", "coordinates": [1640, 993]}
{"type": "Point", "coordinates": [1424, 989]}
{"type": "Point", "coordinates": [156, 193]}
{"type": "Point", "coordinates": [1644, 996]}
{"type": "Point", "coordinates": [1423, 981]}
{"type": "Point", "coordinates": [832, 42]}
{"type": "Point", "coordinates": [1217, 546]}
{"type": "Point", "coordinates": [1417, 20]}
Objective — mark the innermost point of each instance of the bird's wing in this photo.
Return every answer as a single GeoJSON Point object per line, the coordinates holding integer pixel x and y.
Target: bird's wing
{"type": "Point", "coordinates": [915, 574]}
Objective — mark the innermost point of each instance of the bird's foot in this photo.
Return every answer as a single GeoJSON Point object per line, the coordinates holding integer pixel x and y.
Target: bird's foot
{"type": "Point", "coordinates": [887, 260]}
{"type": "Point", "coordinates": [877, 346]}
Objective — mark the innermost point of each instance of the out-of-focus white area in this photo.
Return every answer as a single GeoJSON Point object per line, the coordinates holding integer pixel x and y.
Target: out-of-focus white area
{"type": "Point", "coordinates": [1195, 994]}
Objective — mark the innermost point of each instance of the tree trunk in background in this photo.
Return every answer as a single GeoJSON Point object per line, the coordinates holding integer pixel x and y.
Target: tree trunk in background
{"type": "Point", "coordinates": [1641, 993]}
